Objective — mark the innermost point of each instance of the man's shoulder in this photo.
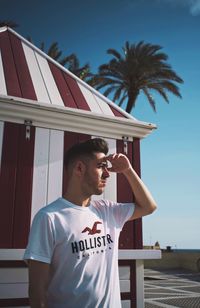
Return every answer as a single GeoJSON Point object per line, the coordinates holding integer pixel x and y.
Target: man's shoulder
{"type": "Point", "coordinates": [103, 203]}
{"type": "Point", "coordinates": [51, 208]}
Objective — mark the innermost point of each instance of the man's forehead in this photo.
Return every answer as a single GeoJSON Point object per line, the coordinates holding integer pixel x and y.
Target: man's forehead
{"type": "Point", "coordinates": [100, 156]}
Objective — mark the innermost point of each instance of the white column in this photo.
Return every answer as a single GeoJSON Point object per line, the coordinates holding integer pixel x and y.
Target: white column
{"type": "Point", "coordinates": [140, 283]}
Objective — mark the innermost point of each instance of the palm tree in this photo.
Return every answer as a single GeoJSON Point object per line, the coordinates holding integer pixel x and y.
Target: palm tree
{"type": "Point", "coordinates": [71, 62]}
{"type": "Point", "coordinates": [140, 68]}
{"type": "Point", "coordinates": [8, 23]}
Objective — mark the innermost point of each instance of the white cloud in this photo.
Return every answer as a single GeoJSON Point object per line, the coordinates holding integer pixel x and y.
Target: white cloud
{"type": "Point", "coordinates": [193, 5]}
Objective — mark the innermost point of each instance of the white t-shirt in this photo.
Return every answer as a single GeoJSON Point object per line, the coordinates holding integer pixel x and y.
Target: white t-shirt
{"type": "Point", "coordinates": [81, 244]}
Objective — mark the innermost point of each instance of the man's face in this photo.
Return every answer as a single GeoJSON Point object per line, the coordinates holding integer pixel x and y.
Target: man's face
{"type": "Point", "coordinates": [96, 174]}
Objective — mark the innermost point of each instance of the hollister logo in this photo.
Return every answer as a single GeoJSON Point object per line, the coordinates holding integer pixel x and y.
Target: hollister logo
{"type": "Point", "coordinates": [92, 244]}
{"type": "Point", "coordinates": [93, 230]}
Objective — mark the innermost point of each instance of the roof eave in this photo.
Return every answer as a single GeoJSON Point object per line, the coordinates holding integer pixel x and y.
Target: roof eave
{"type": "Point", "coordinates": [44, 115]}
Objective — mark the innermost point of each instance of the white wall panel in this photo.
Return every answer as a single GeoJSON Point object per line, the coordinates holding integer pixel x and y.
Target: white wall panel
{"type": "Point", "coordinates": [124, 286]}
{"type": "Point", "coordinates": [37, 78]}
{"type": "Point", "coordinates": [104, 106]}
{"type": "Point", "coordinates": [40, 172]}
{"type": "Point", "coordinates": [13, 290]}
{"type": "Point", "coordinates": [55, 174]}
{"type": "Point", "coordinates": [94, 107]}
{"type": "Point", "coordinates": [126, 304]}
{"type": "Point", "coordinates": [110, 192]}
{"type": "Point", "coordinates": [111, 188]}
{"type": "Point", "coordinates": [3, 89]}
{"type": "Point", "coordinates": [124, 272]}
{"type": "Point", "coordinates": [13, 275]}
{"type": "Point", "coordinates": [52, 89]}
{"type": "Point", "coordinates": [13, 283]}
{"type": "Point", "coordinates": [98, 197]}
{"type": "Point", "coordinates": [1, 139]}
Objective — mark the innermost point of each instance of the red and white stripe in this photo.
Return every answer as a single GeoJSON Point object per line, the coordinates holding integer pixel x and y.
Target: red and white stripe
{"type": "Point", "coordinates": [32, 175]}
{"type": "Point", "coordinates": [48, 168]}
{"type": "Point", "coordinates": [31, 171]}
{"type": "Point", "coordinates": [27, 72]}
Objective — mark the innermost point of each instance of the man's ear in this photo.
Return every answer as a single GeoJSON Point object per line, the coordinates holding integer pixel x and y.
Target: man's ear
{"type": "Point", "coordinates": [79, 168]}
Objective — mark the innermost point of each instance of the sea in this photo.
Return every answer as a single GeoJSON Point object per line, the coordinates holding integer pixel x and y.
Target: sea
{"type": "Point", "coordinates": [186, 250]}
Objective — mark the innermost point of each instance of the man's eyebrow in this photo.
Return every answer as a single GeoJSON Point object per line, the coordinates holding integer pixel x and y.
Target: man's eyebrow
{"type": "Point", "coordinates": [103, 164]}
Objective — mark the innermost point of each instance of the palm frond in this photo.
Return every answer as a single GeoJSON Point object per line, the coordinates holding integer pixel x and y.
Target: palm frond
{"type": "Point", "coordinates": [118, 93]}
{"type": "Point", "coordinates": [171, 87]}
{"type": "Point", "coordinates": [109, 90]}
{"type": "Point", "coordinates": [158, 88]}
{"type": "Point", "coordinates": [122, 100]}
{"type": "Point", "coordinates": [8, 23]}
{"type": "Point", "coordinates": [42, 46]}
{"type": "Point", "coordinates": [150, 99]}
{"type": "Point", "coordinates": [114, 53]}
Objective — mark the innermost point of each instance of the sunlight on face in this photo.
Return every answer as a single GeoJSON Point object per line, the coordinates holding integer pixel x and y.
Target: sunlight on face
{"type": "Point", "coordinates": [96, 175]}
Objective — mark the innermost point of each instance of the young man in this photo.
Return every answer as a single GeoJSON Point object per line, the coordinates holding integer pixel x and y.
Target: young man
{"type": "Point", "coordinates": [73, 245]}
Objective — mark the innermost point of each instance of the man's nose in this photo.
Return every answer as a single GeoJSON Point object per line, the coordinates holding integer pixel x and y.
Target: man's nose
{"type": "Point", "coordinates": [106, 173]}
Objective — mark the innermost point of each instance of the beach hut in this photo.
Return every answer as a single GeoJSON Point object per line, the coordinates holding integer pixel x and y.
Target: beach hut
{"type": "Point", "coordinates": [44, 109]}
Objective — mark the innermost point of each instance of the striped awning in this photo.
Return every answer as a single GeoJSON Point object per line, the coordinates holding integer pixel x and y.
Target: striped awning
{"type": "Point", "coordinates": [27, 72]}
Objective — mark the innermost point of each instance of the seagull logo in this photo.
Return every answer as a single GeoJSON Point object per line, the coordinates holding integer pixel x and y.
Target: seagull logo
{"type": "Point", "coordinates": [93, 230]}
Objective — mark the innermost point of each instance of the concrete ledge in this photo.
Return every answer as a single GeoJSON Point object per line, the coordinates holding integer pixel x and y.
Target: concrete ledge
{"type": "Point", "coordinates": [11, 254]}
{"type": "Point", "coordinates": [139, 254]}
{"type": "Point", "coordinates": [124, 254]}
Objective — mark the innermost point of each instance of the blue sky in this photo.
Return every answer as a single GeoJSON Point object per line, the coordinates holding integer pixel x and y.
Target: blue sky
{"type": "Point", "coordinates": [170, 155]}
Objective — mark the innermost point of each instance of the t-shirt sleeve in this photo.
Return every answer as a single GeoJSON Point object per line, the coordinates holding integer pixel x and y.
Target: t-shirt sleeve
{"type": "Point", "coordinates": [41, 239]}
{"type": "Point", "coordinates": [121, 212]}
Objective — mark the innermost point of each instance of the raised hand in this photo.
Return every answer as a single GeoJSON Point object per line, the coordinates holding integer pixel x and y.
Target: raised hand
{"type": "Point", "coordinates": [144, 202]}
{"type": "Point", "coordinates": [120, 163]}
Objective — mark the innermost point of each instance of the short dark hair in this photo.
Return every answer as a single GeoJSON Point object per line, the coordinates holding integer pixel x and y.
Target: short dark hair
{"type": "Point", "coordinates": [85, 150]}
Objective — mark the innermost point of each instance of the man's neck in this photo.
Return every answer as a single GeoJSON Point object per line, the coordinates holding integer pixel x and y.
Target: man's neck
{"type": "Point", "coordinates": [78, 200]}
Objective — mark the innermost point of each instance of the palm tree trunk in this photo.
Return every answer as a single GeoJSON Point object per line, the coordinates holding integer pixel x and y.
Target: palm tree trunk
{"type": "Point", "coordinates": [131, 100]}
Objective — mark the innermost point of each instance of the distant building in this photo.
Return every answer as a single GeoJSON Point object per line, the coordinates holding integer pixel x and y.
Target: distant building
{"type": "Point", "coordinates": [155, 246]}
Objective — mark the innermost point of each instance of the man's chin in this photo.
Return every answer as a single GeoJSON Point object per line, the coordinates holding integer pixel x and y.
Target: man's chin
{"type": "Point", "coordinates": [99, 192]}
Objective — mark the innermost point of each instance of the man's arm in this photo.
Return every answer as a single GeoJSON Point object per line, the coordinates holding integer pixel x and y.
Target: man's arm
{"type": "Point", "coordinates": [144, 202]}
{"type": "Point", "coordinates": [38, 282]}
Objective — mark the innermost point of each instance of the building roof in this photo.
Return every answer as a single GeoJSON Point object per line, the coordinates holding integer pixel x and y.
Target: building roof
{"type": "Point", "coordinates": [27, 73]}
